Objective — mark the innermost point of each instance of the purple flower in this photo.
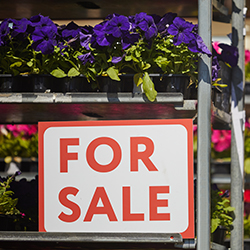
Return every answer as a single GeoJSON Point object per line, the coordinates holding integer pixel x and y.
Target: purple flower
{"type": "Point", "coordinates": [117, 25]}
{"type": "Point", "coordinates": [129, 39]}
{"type": "Point", "coordinates": [229, 54]}
{"type": "Point", "coordinates": [85, 40]}
{"type": "Point", "coordinates": [116, 59]}
{"type": "Point", "coordinates": [20, 28]}
{"type": "Point", "coordinates": [146, 23]}
{"type": "Point", "coordinates": [88, 57]}
{"type": "Point", "coordinates": [197, 45]}
{"type": "Point", "coordinates": [41, 21]}
{"type": "Point", "coordinates": [181, 30]}
{"type": "Point", "coordinates": [71, 30]}
{"type": "Point", "coordinates": [165, 21]}
{"type": "Point", "coordinates": [44, 40]}
{"type": "Point", "coordinates": [215, 68]}
{"type": "Point", "coordinates": [100, 35]}
{"type": "Point", "coordinates": [4, 31]}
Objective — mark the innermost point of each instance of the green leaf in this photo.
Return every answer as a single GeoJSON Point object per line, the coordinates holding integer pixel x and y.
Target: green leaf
{"type": "Point", "coordinates": [214, 224]}
{"type": "Point", "coordinates": [138, 79]}
{"type": "Point", "coordinates": [16, 64]}
{"type": "Point", "coordinates": [247, 166]}
{"type": "Point", "coordinates": [58, 73]}
{"type": "Point", "coordinates": [148, 87]}
{"type": "Point", "coordinates": [113, 73]}
{"type": "Point", "coordinates": [146, 66]}
{"type": "Point", "coordinates": [73, 72]}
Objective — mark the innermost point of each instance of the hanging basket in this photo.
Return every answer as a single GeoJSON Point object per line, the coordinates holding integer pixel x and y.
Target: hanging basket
{"type": "Point", "coordinates": [172, 83]}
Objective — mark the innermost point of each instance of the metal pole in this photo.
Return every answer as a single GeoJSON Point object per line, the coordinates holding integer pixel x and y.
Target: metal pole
{"type": "Point", "coordinates": [237, 131]}
{"type": "Point", "coordinates": [204, 129]}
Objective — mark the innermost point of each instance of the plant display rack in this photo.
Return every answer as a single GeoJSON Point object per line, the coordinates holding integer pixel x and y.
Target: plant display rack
{"type": "Point", "coordinates": [34, 107]}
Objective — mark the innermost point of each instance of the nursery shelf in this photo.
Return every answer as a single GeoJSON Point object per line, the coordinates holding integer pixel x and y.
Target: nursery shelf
{"type": "Point", "coordinates": [38, 240]}
{"type": "Point", "coordinates": [34, 107]}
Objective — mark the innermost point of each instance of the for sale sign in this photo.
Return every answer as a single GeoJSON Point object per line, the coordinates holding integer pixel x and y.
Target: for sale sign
{"type": "Point", "coordinates": [116, 176]}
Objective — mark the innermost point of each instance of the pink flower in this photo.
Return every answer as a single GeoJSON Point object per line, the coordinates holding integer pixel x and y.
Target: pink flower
{"type": "Point", "coordinates": [247, 56]}
{"type": "Point", "coordinates": [221, 140]}
{"type": "Point", "coordinates": [216, 47]}
{"type": "Point", "coordinates": [195, 129]}
{"type": "Point", "coordinates": [247, 195]}
{"type": "Point", "coordinates": [247, 124]}
{"type": "Point", "coordinates": [26, 130]}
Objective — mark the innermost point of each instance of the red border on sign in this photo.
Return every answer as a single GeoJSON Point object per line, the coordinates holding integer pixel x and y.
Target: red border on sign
{"type": "Point", "coordinates": [187, 123]}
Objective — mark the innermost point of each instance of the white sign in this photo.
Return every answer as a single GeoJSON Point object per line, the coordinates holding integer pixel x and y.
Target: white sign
{"type": "Point", "coordinates": [116, 177]}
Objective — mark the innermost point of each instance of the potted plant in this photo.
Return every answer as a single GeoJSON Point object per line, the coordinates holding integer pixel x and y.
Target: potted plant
{"type": "Point", "coordinates": [8, 205]}
{"type": "Point", "coordinates": [221, 215]}
{"type": "Point", "coordinates": [142, 44]}
{"type": "Point", "coordinates": [34, 47]}
{"type": "Point", "coordinates": [225, 57]}
{"type": "Point", "coordinates": [18, 142]}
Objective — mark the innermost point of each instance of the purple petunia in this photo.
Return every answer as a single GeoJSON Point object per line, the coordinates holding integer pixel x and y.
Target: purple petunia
{"type": "Point", "coordinates": [129, 39]}
{"type": "Point", "coordinates": [197, 45]}
{"type": "Point", "coordinates": [85, 40]}
{"type": "Point", "coordinates": [215, 68]}
{"type": "Point", "coordinates": [42, 21]}
{"type": "Point", "coordinates": [165, 21]}
{"type": "Point", "coordinates": [44, 40]}
{"type": "Point", "coordinates": [20, 28]}
{"type": "Point", "coordinates": [88, 57]}
{"type": "Point", "coordinates": [181, 30]}
{"type": "Point", "coordinates": [4, 31]}
{"type": "Point", "coordinates": [146, 23]}
{"type": "Point", "coordinates": [116, 59]}
{"type": "Point", "coordinates": [100, 35]}
{"type": "Point", "coordinates": [117, 25]}
{"type": "Point", "coordinates": [71, 30]}
{"type": "Point", "coordinates": [229, 54]}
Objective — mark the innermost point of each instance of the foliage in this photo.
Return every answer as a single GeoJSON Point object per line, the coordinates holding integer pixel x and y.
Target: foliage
{"type": "Point", "coordinates": [137, 44]}
{"type": "Point", "coordinates": [18, 140]}
{"type": "Point", "coordinates": [221, 211]}
{"type": "Point", "coordinates": [7, 203]}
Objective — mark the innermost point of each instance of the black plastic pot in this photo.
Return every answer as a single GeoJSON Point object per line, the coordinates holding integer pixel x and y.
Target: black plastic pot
{"type": "Point", "coordinates": [47, 83]}
{"type": "Point", "coordinates": [111, 86]}
{"type": "Point", "coordinates": [173, 83]}
{"type": "Point", "coordinates": [218, 236]}
{"type": "Point", "coordinates": [10, 83]}
{"type": "Point", "coordinates": [7, 222]}
{"type": "Point", "coordinates": [78, 84]}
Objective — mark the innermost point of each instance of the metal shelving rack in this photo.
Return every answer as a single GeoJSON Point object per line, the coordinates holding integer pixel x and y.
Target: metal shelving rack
{"type": "Point", "coordinates": [33, 107]}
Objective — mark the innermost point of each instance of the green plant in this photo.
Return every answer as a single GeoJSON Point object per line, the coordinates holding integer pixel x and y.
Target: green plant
{"type": "Point", "coordinates": [18, 141]}
{"type": "Point", "coordinates": [221, 211]}
{"type": "Point", "coordinates": [7, 204]}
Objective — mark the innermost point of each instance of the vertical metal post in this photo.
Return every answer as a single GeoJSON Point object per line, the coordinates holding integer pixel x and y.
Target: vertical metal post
{"type": "Point", "coordinates": [237, 141]}
{"type": "Point", "coordinates": [204, 129]}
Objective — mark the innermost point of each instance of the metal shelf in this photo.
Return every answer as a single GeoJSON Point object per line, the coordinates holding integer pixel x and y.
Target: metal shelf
{"type": "Point", "coordinates": [78, 241]}
{"type": "Point", "coordinates": [34, 107]}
